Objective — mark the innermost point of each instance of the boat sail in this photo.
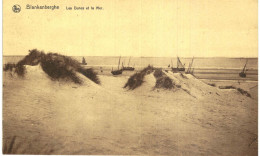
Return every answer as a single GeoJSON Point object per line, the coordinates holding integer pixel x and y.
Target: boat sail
{"type": "Point", "coordinates": [189, 70]}
{"type": "Point", "coordinates": [118, 71]}
{"type": "Point", "coordinates": [128, 67]}
{"type": "Point", "coordinates": [243, 73]}
{"type": "Point", "coordinates": [84, 61]}
{"type": "Point", "coordinates": [180, 66]}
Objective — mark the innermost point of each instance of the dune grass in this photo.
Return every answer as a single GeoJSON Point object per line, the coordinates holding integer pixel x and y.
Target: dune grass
{"type": "Point", "coordinates": [90, 73]}
{"type": "Point", "coordinates": [227, 87]}
{"type": "Point", "coordinates": [183, 76]}
{"type": "Point", "coordinates": [15, 146]}
{"type": "Point", "coordinates": [240, 90]}
{"type": "Point", "coordinates": [162, 80]}
{"type": "Point", "coordinates": [33, 58]}
{"type": "Point", "coordinates": [137, 79]}
{"type": "Point", "coordinates": [9, 66]}
{"type": "Point", "coordinates": [18, 68]}
{"type": "Point", "coordinates": [243, 92]}
{"type": "Point", "coordinates": [60, 67]}
{"type": "Point", "coordinates": [56, 66]}
{"type": "Point", "coordinates": [9, 147]}
{"type": "Point", "coordinates": [212, 84]}
{"type": "Point", "coordinates": [158, 73]}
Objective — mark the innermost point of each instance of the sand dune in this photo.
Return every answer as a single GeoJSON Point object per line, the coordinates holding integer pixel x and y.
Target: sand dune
{"type": "Point", "coordinates": [61, 117]}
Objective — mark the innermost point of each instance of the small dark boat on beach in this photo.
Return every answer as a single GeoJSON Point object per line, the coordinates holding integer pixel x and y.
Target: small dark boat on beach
{"type": "Point", "coordinates": [128, 67]}
{"type": "Point", "coordinates": [180, 66]}
{"type": "Point", "coordinates": [118, 71]}
{"type": "Point", "coordinates": [243, 73]}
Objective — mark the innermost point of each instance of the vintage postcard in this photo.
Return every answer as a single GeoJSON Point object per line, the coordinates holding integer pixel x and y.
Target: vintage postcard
{"type": "Point", "coordinates": [144, 77]}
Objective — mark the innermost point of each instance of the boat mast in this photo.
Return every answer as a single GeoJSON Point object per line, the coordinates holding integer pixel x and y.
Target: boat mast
{"type": "Point", "coordinates": [190, 65]}
{"type": "Point", "coordinates": [245, 67]}
{"type": "Point", "coordinates": [177, 62]}
{"type": "Point", "coordinates": [119, 62]}
{"type": "Point", "coordinates": [191, 62]}
{"type": "Point", "coordinates": [129, 61]}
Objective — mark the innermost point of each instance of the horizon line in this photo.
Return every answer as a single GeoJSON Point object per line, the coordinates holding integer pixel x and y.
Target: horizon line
{"type": "Point", "coordinates": [146, 56]}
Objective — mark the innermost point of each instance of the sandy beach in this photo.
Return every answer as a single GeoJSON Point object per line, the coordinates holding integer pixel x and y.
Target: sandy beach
{"type": "Point", "coordinates": [58, 117]}
{"type": "Point", "coordinates": [160, 77]}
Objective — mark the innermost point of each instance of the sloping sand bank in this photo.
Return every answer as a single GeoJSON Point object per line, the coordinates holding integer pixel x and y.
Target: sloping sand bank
{"type": "Point", "coordinates": [52, 117]}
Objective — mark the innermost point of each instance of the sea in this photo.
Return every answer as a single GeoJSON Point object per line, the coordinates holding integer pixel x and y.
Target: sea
{"type": "Point", "coordinates": [216, 68]}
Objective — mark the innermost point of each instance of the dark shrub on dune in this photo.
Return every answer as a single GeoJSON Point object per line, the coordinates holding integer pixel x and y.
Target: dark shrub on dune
{"type": "Point", "coordinates": [158, 73]}
{"type": "Point", "coordinates": [240, 90]}
{"type": "Point", "coordinates": [137, 79]}
{"type": "Point", "coordinates": [149, 69]}
{"type": "Point", "coordinates": [20, 70]}
{"type": "Point", "coordinates": [89, 73]}
{"type": "Point", "coordinates": [183, 76]}
{"type": "Point", "coordinates": [227, 87]}
{"type": "Point", "coordinates": [33, 58]}
{"type": "Point", "coordinates": [9, 66]}
{"type": "Point", "coordinates": [243, 92]}
{"type": "Point", "coordinates": [162, 80]}
{"type": "Point", "coordinates": [60, 67]}
{"type": "Point", "coordinates": [56, 66]}
{"type": "Point", "coordinates": [212, 84]}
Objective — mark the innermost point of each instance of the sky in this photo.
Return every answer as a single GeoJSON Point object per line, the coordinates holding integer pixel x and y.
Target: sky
{"type": "Point", "coordinates": [150, 28]}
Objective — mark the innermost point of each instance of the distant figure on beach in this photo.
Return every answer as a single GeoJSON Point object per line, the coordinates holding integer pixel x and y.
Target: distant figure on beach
{"type": "Point", "coordinates": [101, 70]}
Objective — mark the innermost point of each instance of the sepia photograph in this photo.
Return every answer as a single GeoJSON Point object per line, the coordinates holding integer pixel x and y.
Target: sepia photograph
{"type": "Point", "coordinates": [144, 77]}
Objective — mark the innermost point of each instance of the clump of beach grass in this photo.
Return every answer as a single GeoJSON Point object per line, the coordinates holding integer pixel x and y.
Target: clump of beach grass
{"type": "Point", "coordinates": [14, 145]}
{"type": "Point", "coordinates": [33, 58]}
{"type": "Point", "coordinates": [90, 73]}
{"type": "Point", "coordinates": [162, 80]}
{"type": "Point", "coordinates": [227, 87]}
{"type": "Point", "coordinates": [56, 66]}
{"type": "Point", "coordinates": [9, 67]}
{"type": "Point", "coordinates": [212, 84]}
{"type": "Point", "coordinates": [240, 90]}
{"type": "Point", "coordinates": [18, 68]}
{"type": "Point", "coordinates": [243, 92]}
{"type": "Point", "coordinates": [137, 79]}
{"type": "Point", "coordinates": [9, 147]}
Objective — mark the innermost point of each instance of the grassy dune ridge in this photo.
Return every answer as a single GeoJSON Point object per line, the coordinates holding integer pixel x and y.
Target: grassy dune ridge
{"type": "Point", "coordinates": [56, 66]}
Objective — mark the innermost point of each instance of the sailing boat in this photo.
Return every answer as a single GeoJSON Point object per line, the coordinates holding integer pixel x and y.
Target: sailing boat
{"type": "Point", "coordinates": [189, 70]}
{"type": "Point", "coordinates": [117, 72]}
{"type": "Point", "coordinates": [180, 66]}
{"type": "Point", "coordinates": [84, 61]}
{"type": "Point", "coordinates": [129, 68]}
{"type": "Point", "coordinates": [243, 73]}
